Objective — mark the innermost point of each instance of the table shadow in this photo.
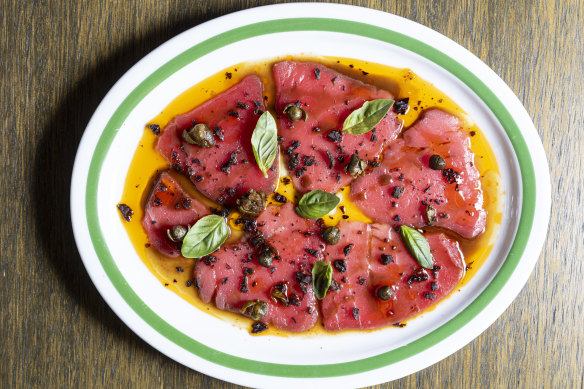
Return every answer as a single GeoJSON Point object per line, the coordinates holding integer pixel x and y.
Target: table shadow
{"type": "Point", "coordinates": [54, 158]}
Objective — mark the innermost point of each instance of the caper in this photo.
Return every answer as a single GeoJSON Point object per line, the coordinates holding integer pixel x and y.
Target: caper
{"type": "Point", "coordinates": [266, 256]}
{"type": "Point", "coordinates": [430, 213]}
{"type": "Point", "coordinates": [255, 309]}
{"type": "Point", "coordinates": [356, 166]}
{"type": "Point", "coordinates": [177, 233]}
{"type": "Point", "coordinates": [257, 241]}
{"type": "Point", "coordinates": [252, 203]}
{"type": "Point", "coordinates": [280, 293]}
{"type": "Point", "coordinates": [295, 113]}
{"type": "Point", "coordinates": [331, 235]}
{"type": "Point", "coordinates": [437, 162]}
{"type": "Point", "coordinates": [200, 135]}
{"type": "Point", "coordinates": [385, 293]}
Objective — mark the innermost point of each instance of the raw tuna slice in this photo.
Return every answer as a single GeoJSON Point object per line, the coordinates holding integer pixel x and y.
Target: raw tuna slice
{"type": "Point", "coordinates": [328, 98]}
{"type": "Point", "coordinates": [404, 186]}
{"type": "Point", "coordinates": [227, 170]}
{"type": "Point", "coordinates": [379, 259]}
{"type": "Point", "coordinates": [169, 205]}
{"type": "Point", "coordinates": [232, 275]}
{"type": "Point", "coordinates": [292, 236]}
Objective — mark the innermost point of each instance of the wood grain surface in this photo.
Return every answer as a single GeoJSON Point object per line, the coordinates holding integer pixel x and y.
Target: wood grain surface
{"type": "Point", "coordinates": [58, 59]}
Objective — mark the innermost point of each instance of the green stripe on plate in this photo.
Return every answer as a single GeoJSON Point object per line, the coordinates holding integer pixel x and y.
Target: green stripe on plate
{"type": "Point", "coordinates": [312, 24]}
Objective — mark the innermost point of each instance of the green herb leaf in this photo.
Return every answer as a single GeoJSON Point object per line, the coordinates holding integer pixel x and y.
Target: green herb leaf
{"type": "Point", "coordinates": [206, 236]}
{"type": "Point", "coordinates": [418, 246]}
{"type": "Point", "coordinates": [264, 142]}
{"type": "Point", "coordinates": [322, 274]}
{"type": "Point", "coordinates": [316, 203]}
{"type": "Point", "coordinates": [368, 116]}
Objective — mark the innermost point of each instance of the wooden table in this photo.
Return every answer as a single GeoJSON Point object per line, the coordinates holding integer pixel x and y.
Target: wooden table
{"type": "Point", "coordinates": [59, 59]}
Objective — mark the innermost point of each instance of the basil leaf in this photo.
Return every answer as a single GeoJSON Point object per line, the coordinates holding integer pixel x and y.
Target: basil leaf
{"type": "Point", "coordinates": [316, 203]}
{"type": "Point", "coordinates": [418, 246]}
{"type": "Point", "coordinates": [264, 142]}
{"type": "Point", "coordinates": [322, 274]}
{"type": "Point", "coordinates": [368, 116]}
{"type": "Point", "coordinates": [206, 236]}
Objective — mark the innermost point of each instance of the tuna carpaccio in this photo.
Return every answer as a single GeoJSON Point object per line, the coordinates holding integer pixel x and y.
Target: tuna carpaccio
{"type": "Point", "coordinates": [232, 276]}
{"type": "Point", "coordinates": [167, 206]}
{"type": "Point", "coordinates": [372, 256]}
{"type": "Point", "coordinates": [404, 188]}
{"type": "Point", "coordinates": [316, 150]}
{"type": "Point", "coordinates": [369, 256]}
{"type": "Point", "coordinates": [228, 169]}
{"type": "Point", "coordinates": [366, 258]}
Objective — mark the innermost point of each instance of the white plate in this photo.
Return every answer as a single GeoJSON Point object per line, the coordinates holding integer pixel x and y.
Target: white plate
{"type": "Point", "coordinates": [222, 350]}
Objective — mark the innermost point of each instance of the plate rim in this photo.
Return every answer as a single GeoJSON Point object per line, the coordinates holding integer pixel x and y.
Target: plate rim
{"type": "Point", "coordinates": [514, 132]}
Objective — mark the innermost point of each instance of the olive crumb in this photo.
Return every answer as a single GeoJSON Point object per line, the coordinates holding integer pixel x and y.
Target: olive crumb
{"type": "Point", "coordinates": [401, 106]}
{"type": "Point", "coordinates": [155, 128]}
{"type": "Point", "coordinates": [280, 198]}
{"type": "Point", "coordinates": [340, 265]}
{"type": "Point", "coordinates": [335, 136]}
{"type": "Point", "coordinates": [126, 212]}
{"type": "Point", "coordinates": [398, 191]}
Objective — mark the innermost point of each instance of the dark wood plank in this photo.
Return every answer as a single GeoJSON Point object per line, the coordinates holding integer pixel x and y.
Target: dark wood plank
{"type": "Point", "coordinates": [59, 59]}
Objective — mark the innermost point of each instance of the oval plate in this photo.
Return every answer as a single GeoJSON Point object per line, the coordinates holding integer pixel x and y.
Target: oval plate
{"type": "Point", "coordinates": [222, 350]}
